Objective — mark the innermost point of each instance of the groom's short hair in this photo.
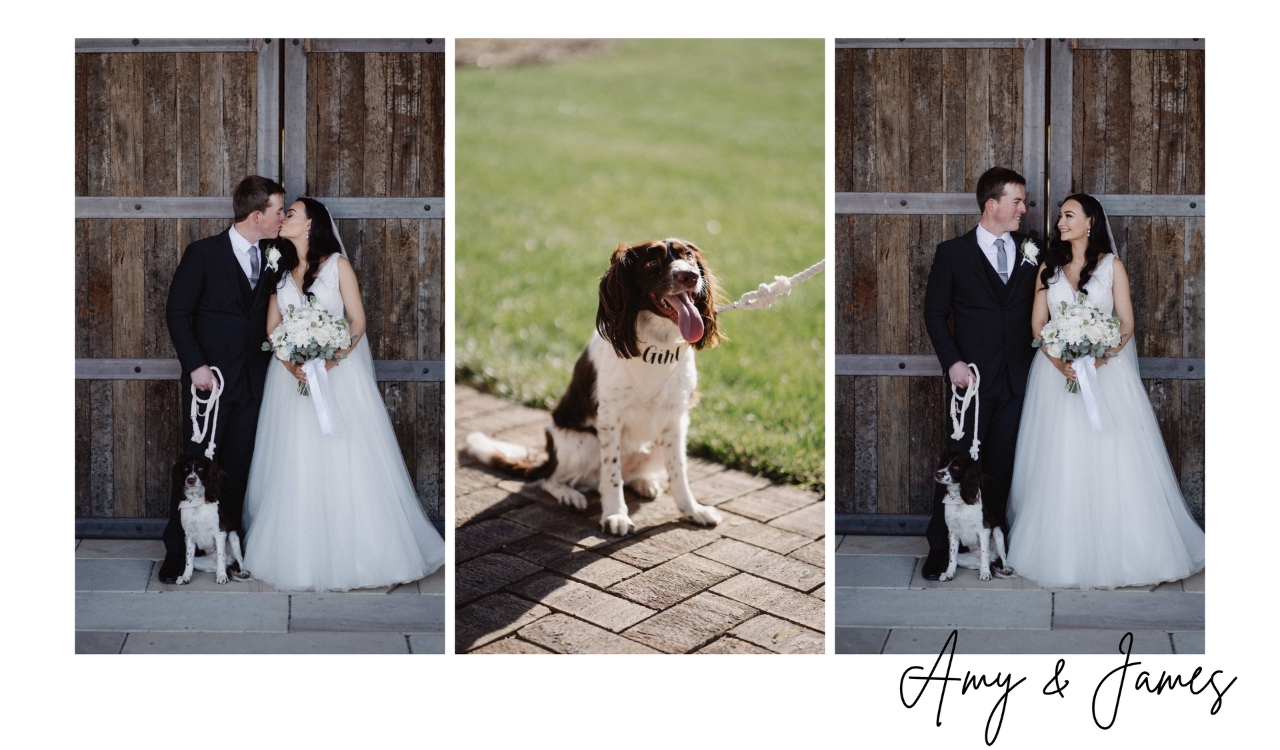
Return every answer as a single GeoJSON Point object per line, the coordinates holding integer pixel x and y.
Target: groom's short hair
{"type": "Point", "coordinates": [991, 185]}
{"type": "Point", "coordinates": [253, 194]}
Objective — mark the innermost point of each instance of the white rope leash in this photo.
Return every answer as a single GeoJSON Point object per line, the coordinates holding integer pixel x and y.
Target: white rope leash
{"type": "Point", "coordinates": [970, 394]}
{"type": "Point", "coordinates": [209, 413]}
{"type": "Point", "coordinates": [763, 297]}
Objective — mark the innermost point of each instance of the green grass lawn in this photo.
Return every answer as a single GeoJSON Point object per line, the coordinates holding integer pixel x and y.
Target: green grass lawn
{"type": "Point", "coordinates": [719, 142]}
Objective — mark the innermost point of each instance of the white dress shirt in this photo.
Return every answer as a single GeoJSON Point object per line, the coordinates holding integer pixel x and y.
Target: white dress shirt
{"type": "Point", "coordinates": [240, 246]}
{"type": "Point", "coordinates": [1012, 255]}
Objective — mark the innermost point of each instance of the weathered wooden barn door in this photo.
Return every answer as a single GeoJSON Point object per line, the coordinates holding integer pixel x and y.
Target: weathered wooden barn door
{"type": "Point", "coordinates": [917, 122]}
{"type": "Point", "coordinates": [165, 128]}
{"type": "Point", "coordinates": [1127, 120]}
{"type": "Point", "coordinates": [364, 134]}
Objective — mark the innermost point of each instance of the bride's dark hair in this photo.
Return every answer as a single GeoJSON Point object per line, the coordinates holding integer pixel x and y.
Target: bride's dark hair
{"type": "Point", "coordinates": [321, 243]}
{"type": "Point", "coordinates": [1058, 254]}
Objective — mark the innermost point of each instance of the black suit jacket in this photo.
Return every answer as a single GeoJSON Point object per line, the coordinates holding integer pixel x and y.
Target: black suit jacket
{"type": "Point", "coordinates": [215, 318]}
{"type": "Point", "coordinates": [991, 319]}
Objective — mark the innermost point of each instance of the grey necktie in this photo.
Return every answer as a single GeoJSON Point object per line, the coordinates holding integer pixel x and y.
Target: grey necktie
{"type": "Point", "coordinates": [1002, 264]}
{"type": "Point", "coordinates": [254, 268]}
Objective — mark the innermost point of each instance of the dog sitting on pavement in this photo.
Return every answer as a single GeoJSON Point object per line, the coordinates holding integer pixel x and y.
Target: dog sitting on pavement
{"type": "Point", "coordinates": [966, 522]}
{"type": "Point", "coordinates": [204, 525]}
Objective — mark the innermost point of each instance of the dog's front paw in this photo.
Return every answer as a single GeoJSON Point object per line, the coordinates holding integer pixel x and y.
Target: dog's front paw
{"type": "Point", "coordinates": [241, 575]}
{"type": "Point", "coordinates": [984, 575]}
{"type": "Point", "coordinates": [947, 576]}
{"type": "Point", "coordinates": [570, 496]}
{"type": "Point", "coordinates": [1004, 572]}
{"type": "Point", "coordinates": [183, 580]}
{"type": "Point", "coordinates": [705, 515]}
{"type": "Point", "coordinates": [645, 487]}
{"type": "Point", "coordinates": [220, 578]}
{"type": "Point", "coordinates": [619, 524]}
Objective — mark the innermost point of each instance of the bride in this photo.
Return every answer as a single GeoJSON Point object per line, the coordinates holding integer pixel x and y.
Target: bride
{"type": "Point", "coordinates": [333, 512]}
{"type": "Point", "coordinates": [1094, 509]}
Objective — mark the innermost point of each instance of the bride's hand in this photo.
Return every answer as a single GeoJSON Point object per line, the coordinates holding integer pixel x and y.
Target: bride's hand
{"type": "Point", "coordinates": [329, 364]}
{"type": "Point", "coordinates": [1068, 370]}
{"type": "Point", "coordinates": [296, 370]}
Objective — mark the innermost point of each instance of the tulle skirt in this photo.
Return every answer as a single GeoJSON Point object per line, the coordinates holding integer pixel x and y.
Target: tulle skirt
{"type": "Point", "coordinates": [336, 512]}
{"type": "Point", "coordinates": [1097, 510]}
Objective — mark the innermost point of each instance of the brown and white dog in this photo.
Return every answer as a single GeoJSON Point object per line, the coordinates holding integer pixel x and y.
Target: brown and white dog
{"type": "Point", "coordinates": [625, 418]}
{"type": "Point", "coordinates": [203, 523]}
{"type": "Point", "coordinates": [966, 522]}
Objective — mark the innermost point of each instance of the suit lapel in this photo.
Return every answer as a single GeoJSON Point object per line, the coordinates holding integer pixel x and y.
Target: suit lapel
{"type": "Point", "coordinates": [235, 274]}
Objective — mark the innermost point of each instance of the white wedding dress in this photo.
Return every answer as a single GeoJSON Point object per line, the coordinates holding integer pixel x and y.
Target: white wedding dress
{"type": "Point", "coordinates": [335, 512]}
{"type": "Point", "coordinates": [1096, 509]}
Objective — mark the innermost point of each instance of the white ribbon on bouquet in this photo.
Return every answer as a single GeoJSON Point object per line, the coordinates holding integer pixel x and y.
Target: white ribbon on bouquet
{"type": "Point", "coordinates": [318, 383]}
{"type": "Point", "coordinates": [1087, 377]}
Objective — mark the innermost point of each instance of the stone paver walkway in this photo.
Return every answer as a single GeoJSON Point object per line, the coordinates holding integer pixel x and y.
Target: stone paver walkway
{"type": "Point", "coordinates": [883, 605]}
{"type": "Point", "coordinates": [122, 608]}
{"type": "Point", "coordinates": [536, 577]}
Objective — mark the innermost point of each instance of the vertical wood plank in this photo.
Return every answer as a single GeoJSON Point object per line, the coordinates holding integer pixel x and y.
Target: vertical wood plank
{"type": "Point", "coordinates": [978, 152]}
{"type": "Point", "coordinates": [372, 250]}
{"type": "Point", "coordinates": [405, 93]}
{"type": "Point", "coordinates": [431, 182]}
{"type": "Point", "coordinates": [240, 117]}
{"type": "Point", "coordinates": [1166, 295]}
{"type": "Point", "coordinates": [101, 443]}
{"type": "Point", "coordinates": [125, 71]}
{"type": "Point", "coordinates": [1006, 108]}
{"type": "Point", "coordinates": [845, 282]}
{"type": "Point", "coordinates": [893, 394]}
{"type": "Point", "coordinates": [1195, 123]}
{"type": "Point", "coordinates": [844, 124]}
{"type": "Point", "coordinates": [1142, 139]}
{"type": "Point", "coordinates": [324, 77]}
{"type": "Point", "coordinates": [82, 124]}
{"type": "Point", "coordinates": [1137, 262]}
{"type": "Point", "coordinates": [187, 93]}
{"type": "Point", "coordinates": [97, 135]}
{"type": "Point", "coordinates": [1090, 151]}
{"type": "Point", "coordinates": [128, 313]}
{"type": "Point", "coordinates": [351, 121]}
{"type": "Point", "coordinates": [926, 440]}
{"type": "Point", "coordinates": [1119, 126]}
{"type": "Point", "coordinates": [160, 126]}
{"type": "Point", "coordinates": [1193, 303]}
{"type": "Point", "coordinates": [892, 120]}
{"type": "Point", "coordinates": [84, 449]}
{"type": "Point", "coordinates": [429, 437]}
{"type": "Point", "coordinates": [1166, 402]}
{"type": "Point", "coordinates": [865, 461]}
{"type": "Point", "coordinates": [864, 285]}
{"type": "Point", "coordinates": [1191, 473]}
{"type": "Point", "coordinates": [376, 157]}
{"type": "Point", "coordinates": [955, 169]}
{"type": "Point", "coordinates": [163, 442]}
{"type": "Point", "coordinates": [213, 147]}
{"type": "Point", "coordinates": [925, 162]}
{"type": "Point", "coordinates": [1171, 90]}
{"type": "Point", "coordinates": [430, 292]}
{"type": "Point", "coordinates": [862, 167]}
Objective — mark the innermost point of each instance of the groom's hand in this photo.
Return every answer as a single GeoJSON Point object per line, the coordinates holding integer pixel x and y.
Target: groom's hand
{"type": "Point", "coordinates": [202, 378]}
{"type": "Point", "coordinates": [959, 374]}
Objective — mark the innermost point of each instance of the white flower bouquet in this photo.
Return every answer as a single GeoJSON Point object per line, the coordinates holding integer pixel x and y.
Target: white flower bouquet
{"type": "Point", "coordinates": [1079, 330]}
{"type": "Point", "coordinates": [308, 333]}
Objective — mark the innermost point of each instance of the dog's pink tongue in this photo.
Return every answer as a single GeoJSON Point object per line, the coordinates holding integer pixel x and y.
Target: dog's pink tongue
{"type": "Point", "coordinates": [690, 320]}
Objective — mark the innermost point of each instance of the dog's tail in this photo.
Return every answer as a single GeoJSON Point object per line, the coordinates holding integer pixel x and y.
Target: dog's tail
{"type": "Point", "coordinates": [511, 458]}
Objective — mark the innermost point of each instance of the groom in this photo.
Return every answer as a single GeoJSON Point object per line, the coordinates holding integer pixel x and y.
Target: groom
{"type": "Point", "coordinates": [985, 284]}
{"type": "Point", "coordinates": [217, 315]}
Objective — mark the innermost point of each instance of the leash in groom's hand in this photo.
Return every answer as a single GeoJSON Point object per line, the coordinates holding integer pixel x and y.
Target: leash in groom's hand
{"type": "Point", "coordinates": [209, 413]}
{"type": "Point", "coordinates": [970, 394]}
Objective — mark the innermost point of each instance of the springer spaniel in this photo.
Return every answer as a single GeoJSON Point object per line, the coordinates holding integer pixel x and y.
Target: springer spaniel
{"type": "Point", "coordinates": [203, 523]}
{"type": "Point", "coordinates": [625, 417]}
{"type": "Point", "coordinates": [966, 522]}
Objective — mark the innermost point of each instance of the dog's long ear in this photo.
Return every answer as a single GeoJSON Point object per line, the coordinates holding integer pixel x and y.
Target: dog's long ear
{"type": "Point", "coordinates": [706, 302]}
{"type": "Point", "coordinates": [619, 304]}
{"type": "Point", "coordinates": [973, 480]}
{"type": "Point", "coordinates": [217, 482]}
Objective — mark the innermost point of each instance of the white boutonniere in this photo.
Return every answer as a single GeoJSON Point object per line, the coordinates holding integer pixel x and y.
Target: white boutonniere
{"type": "Point", "coordinates": [1030, 253]}
{"type": "Point", "coordinates": [273, 259]}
